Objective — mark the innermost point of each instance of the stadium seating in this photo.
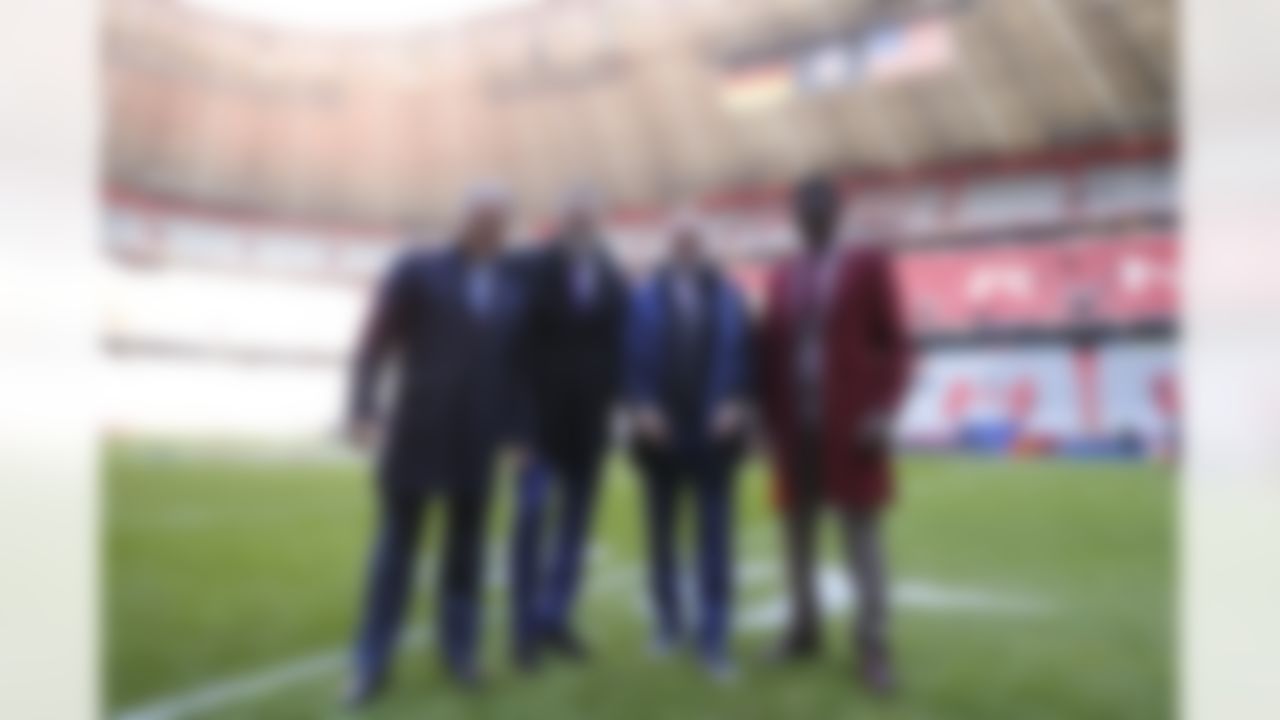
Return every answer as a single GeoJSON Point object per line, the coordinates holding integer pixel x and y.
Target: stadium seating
{"type": "Point", "coordinates": [1115, 399]}
{"type": "Point", "coordinates": [1013, 201]}
{"type": "Point", "coordinates": [275, 297]}
{"type": "Point", "coordinates": [1127, 188]}
{"type": "Point", "coordinates": [1116, 280]}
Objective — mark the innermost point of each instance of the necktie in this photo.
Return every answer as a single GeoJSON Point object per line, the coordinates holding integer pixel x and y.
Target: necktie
{"type": "Point", "coordinates": [583, 284]}
{"type": "Point", "coordinates": [479, 291]}
{"type": "Point", "coordinates": [809, 291]}
{"type": "Point", "coordinates": [810, 341]}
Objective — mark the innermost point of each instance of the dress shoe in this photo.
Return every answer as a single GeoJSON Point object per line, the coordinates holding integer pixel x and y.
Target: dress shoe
{"type": "Point", "coordinates": [361, 690]}
{"type": "Point", "coordinates": [567, 644]}
{"type": "Point", "coordinates": [875, 667]}
{"type": "Point", "coordinates": [467, 677]}
{"type": "Point", "coordinates": [796, 645]}
{"type": "Point", "coordinates": [720, 669]}
{"type": "Point", "coordinates": [527, 658]}
{"type": "Point", "coordinates": [663, 646]}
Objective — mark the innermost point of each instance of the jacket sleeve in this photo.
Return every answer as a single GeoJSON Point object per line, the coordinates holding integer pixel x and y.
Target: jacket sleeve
{"type": "Point", "coordinates": [382, 333]}
{"type": "Point", "coordinates": [892, 350]}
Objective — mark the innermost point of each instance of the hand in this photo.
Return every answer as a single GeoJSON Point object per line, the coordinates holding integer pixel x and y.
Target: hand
{"type": "Point", "coordinates": [363, 434]}
{"type": "Point", "coordinates": [729, 420]}
{"type": "Point", "coordinates": [873, 432]}
{"type": "Point", "coordinates": [650, 425]}
{"type": "Point", "coordinates": [519, 455]}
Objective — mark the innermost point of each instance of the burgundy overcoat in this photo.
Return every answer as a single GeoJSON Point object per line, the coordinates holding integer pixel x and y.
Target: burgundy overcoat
{"type": "Point", "coordinates": [865, 370]}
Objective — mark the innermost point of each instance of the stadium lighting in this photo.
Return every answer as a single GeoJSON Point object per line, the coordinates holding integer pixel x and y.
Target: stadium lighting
{"type": "Point", "coordinates": [345, 15]}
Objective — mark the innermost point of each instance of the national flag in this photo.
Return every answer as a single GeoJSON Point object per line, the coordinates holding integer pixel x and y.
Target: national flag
{"type": "Point", "coordinates": [828, 67]}
{"type": "Point", "coordinates": [921, 47]}
{"type": "Point", "coordinates": [884, 50]}
{"type": "Point", "coordinates": [756, 87]}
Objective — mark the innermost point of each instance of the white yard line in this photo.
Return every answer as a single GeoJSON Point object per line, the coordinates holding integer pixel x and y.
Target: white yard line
{"type": "Point", "coordinates": [608, 581]}
{"type": "Point", "coordinates": [837, 595]}
{"type": "Point", "coordinates": [250, 685]}
{"type": "Point", "coordinates": [267, 680]}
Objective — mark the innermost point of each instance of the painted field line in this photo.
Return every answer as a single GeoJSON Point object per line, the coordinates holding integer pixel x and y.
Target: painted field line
{"type": "Point", "coordinates": [265, 681]}
{"type": "Point", "coordinates": [837, 595]}
{"type": "Point", "coordinates": [767, 613]}
{"type": "Point", "coordinates": [250, 685]}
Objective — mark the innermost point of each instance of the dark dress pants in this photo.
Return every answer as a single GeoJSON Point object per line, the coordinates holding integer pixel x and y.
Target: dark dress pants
{"type": "Point", "coordinates": [391, 570]}
{"type": "Point", "coordinates": [707, 476]}
{"type": "Point", "coordinates": [864, 552]}
{"type": "Point", "coordinates": [546, 579]}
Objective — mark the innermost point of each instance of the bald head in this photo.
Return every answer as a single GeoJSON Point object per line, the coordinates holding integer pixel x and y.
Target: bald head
{"type": "Point", "coordinates": [815, 205]}
{"type": "Point", "coordinates": [687, 238]}
{"type": "Point", "coordinates": [580, 210]}
{"type": "Point", "coordinates": [486, 214]}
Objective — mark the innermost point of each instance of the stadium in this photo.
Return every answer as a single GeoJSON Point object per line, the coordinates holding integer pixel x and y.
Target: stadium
{"type": "Point", "coordinates": [261, 169]}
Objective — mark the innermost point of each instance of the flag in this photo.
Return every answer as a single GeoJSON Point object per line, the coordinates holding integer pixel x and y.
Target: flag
{"type": "Point", "coordinates": [828, 67]}
{"type": "Point", "coordinates": [931, 44]}
{"type": "Point", "coordinates": [898, 52]}
{"type": "Point", "coordinates": [756, 87]}
{"type": "Point", "coordinates": [883, 52]}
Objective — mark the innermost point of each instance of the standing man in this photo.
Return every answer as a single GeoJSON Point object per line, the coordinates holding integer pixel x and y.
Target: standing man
{"type": "Point", "coordinates": [836, 359]}
{"type": "Point", "coordinates": [450, 317]}
{"type": "Point", "coordinates": [687, 377]}
{"type": "Point", "coordinates": [573, 351]}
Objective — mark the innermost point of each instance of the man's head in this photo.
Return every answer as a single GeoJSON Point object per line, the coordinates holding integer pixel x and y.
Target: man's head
{"type": "Point", "coordinates": [815, 205]}
{"type": "Point", "coordinates": [580, 219]}
{"type": "Point", "coordinates": [687, 242]}
{"type": "Point", "coordinates": [486, 214]}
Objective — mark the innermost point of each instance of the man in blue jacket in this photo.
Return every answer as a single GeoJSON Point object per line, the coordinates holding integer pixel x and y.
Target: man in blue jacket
{"type": "Point", "coordinates": [451, 317]}
{"type": "Point", "coordinates": [687, 380]}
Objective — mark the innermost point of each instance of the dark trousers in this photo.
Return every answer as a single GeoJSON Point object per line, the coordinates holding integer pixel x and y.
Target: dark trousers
{"type": "Point", "coordinates": [391, 570]}
{"type": "Point", "coordinates": [864, 553]}
{"type": "Point", "coordinates": [708, 476]}
{"type": "Point", "coordinates": [545, 579]}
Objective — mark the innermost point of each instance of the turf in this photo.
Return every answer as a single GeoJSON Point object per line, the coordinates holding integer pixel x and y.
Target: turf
{"type": "Point", "coordinates": [224, 564]}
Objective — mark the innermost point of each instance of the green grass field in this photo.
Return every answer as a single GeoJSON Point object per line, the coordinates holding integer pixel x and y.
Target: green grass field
{"type": "Point", "coordinates": [1023, 590]}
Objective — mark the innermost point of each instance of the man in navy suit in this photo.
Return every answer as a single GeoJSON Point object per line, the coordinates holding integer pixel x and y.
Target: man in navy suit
{"type": "Point", "coordinates": [451, 318]}
{"type": "Point", "coordinates": [576, 304]}
{"type": "Point", "coordinates": [687, 380]}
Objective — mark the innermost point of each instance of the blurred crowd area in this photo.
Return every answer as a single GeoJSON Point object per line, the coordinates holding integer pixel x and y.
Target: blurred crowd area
{"type": "Point", "coordinates": [1018, 157]}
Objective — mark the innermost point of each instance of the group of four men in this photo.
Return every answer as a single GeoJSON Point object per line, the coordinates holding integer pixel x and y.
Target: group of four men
{"type": "Point", "coordinates": [533, 352]}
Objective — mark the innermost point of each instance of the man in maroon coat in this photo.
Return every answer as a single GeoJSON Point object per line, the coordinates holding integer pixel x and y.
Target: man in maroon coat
{"type": "Point", "coordinates": [835, 363]}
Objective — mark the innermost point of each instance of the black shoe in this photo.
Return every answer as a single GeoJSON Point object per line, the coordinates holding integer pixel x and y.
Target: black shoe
{"type": "Point", "coordinates": [467, 678]}
{"type": "Point", "coordinates": [567, 644]}
{"type": "Point", "coordinates": [527, 658]}
{"type": "Point", "coordinates": [361, 690]}
{"type": "Point", "coordinates": [664, 646]}
{"type": "Point", "coordinates": [875, 669]}
{"type": "Point", "coordinates": [796, 645]}
{"type": "Point", "coordinates": [720, 669]}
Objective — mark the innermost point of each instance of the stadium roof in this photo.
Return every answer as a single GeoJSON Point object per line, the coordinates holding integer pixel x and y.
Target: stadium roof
{"type": "Point", "coordinates": [652, 99]}
{"type": "Point", "coordinates": [344, 15]}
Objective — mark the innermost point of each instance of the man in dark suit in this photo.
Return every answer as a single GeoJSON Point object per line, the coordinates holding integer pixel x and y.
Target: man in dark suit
{"type": "Point", "coordinates": [451, 319]}
{"type": "Point", "coordinates": [687, 380]}
{"type": "Point", "coordinates": [576, 312]}
{"type": "Point", "coordinates": [836, 361]}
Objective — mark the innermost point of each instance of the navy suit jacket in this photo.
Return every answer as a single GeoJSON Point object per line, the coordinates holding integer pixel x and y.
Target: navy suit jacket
{"type": "Point", "coordinates": [459, 393]}
{"type": "Point", "coordinates": [649, 360]}
{"type": "Point", "coordinates": [573, 355]}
